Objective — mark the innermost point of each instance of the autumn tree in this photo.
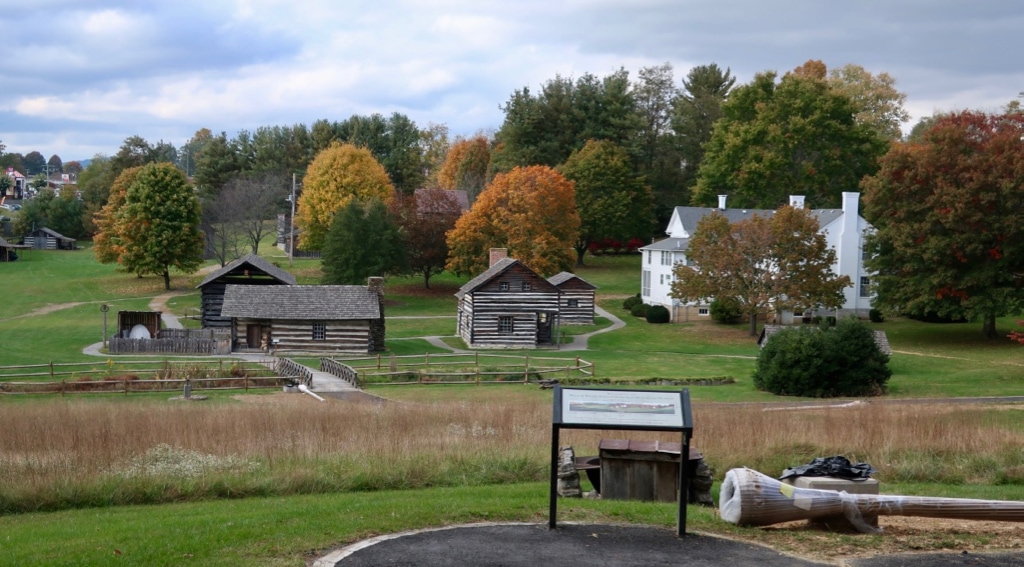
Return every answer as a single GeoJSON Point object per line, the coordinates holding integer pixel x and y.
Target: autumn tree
{"type": "Point", "coordinates": [531, 211]}
{"type": "Point", "coordinates": [108, 243]}
{"type": "Point", "coordinates": [465, 167]}
{"type": "Point", "coordinates": [159, 223]}
{"type": "Point", "coordinates": [797, 136]}
{"type": "Point", "coordinates": [777, 262]}
{"type": "Point", "coordinates": [424, 219]}
{"type": "Point", "coordinates": [434, 146]}
{"type": "Point", "coordinates": [611, 200]}
{"type": "Point", "coordinates": [948, 236]}
{"type": "Point", "coordinates": [336, 176]}
{"type": "Point", "coordinates": [362, 242]}
{"type": "Point", "coordinates": [876, 101]}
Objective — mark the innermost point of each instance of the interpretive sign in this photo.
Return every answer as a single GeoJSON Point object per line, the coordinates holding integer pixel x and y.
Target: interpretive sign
{"type": "Point", "coordinates": [641, 410]}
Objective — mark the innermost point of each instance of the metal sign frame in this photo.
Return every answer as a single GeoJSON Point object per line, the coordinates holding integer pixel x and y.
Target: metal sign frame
{"type": "Point", "coordinates": [626, 410]}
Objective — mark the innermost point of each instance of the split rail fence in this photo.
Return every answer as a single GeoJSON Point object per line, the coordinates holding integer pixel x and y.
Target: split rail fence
{"type": "Point", "coordinates": [473, 368]}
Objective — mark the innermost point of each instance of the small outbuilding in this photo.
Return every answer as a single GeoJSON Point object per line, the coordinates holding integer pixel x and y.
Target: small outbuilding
{"type": "Point", "coordinates": [576, 303]}
{"type": "Point", "coordinates": [306, 318]}
{"type": "Point", "coordinates": [508, 306]}
{"type": "Point", "coordinates": [249, 270]}
{"type": "Point", "coordinates": [46, 239]}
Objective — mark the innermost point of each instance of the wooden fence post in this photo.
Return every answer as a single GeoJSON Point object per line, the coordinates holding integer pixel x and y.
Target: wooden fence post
{"type": "Point", "coordinates": [526, 370]}
{"type": "Point", "coordinates": [51, 370]}
{"type": "Point", "coordinates": [125, 387]}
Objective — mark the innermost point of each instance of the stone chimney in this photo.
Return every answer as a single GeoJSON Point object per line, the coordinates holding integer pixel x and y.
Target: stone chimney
{"type": "Point", "coordinates": [721, 202]}
{"type": "Point", "coordinates": [376, 285]}
{"type": "Point", "coordinates": [796, 201]}
{"type": "Point", "coordinates": [497, 254]}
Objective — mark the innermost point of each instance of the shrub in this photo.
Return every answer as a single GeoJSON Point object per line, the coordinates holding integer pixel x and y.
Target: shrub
{"type": "Point", "coordinates": [639, 310]}
{"type": "Point", "coordinates": [658, 314]}
{"type": "Point", "coordinates": [631, 301]}
{"type": "Point", "coordinates": [823, 362]}
{"type": "Point", "coordinates": [875, 315]}
{"type": "Point", "coordinates": [726, 310]}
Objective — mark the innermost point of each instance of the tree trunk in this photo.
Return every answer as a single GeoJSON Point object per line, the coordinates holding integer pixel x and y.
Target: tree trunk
{"type": "Point", "coordinates": [753, 324]}
{"type": "Point", "coordinates": [167, 279]}
{"type": "Point", "coordinates": [426, 278]}
{"type": "Point", "coordinates": [988, 326]}
{"type": "Point", "coordinates": [580, 251]}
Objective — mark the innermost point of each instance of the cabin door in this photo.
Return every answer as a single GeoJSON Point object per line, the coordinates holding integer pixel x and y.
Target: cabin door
{"type": "Point", "coordinates": [254, 334]}
{"type": "Point", "coordinates": [543, 328]}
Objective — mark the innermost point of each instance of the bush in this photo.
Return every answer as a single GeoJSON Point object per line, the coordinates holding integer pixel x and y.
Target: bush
{"type": "Point", "coordinates": [875, 315]}
{"type": "Point", "coordinates": [631, 301]}
{"type": "Point", "coordinates": [726, 310]}
{"type": "Point", "coordinates": [823, 362]}
{"type": "Point", "coordinates": [639, 310]}
{"type": "Point", "coordinates": [658, 314]}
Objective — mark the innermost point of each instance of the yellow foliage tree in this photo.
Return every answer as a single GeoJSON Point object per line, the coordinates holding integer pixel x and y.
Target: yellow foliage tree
{"type": "Point", "coordinates": [108, 244]}
{"type": "Point", "coordinates": [531, 211]}
{"type": "Point", "coordinates": [335, 177]}
{"type": "Point", "coordinates": [465, 167]}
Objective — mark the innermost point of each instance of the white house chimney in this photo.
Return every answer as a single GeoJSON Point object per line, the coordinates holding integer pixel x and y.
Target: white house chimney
{"type": "Point", "coordinates": [497, 254]}
{"type": "Point", "coordinates": [796, 201]}
{"type": "Point", "coordinates": [721, 202]}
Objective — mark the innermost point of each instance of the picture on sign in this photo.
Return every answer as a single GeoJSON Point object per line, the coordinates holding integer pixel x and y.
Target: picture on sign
{"type": "Point", "coordinates": [627, 407]}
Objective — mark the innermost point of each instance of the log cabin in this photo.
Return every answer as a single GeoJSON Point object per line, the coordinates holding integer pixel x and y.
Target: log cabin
{"type": "Point", "coordinates": [576, 303]}
{"type": "Point", "coordinates": [248, 270]}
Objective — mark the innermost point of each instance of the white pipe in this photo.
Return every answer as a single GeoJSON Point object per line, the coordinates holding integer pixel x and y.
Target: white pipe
{"type": "Point", "coordinates": [305, 390]}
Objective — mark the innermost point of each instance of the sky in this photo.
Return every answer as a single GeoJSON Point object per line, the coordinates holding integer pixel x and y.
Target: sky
{"type": "Point", "coordinates": [77, 77]}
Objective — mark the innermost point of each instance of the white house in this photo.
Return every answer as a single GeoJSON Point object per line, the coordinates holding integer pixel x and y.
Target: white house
{"type": "Point", "coordinates": [844, 231]}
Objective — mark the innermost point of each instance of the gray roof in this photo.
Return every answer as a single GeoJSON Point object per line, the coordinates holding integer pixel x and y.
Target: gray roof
{"type": "Point", "coordinates": [254, 261]}
{"type": "Point", "coordinates": [672, 244]}
{"type": "Point", "coordinates": [51, 232]}
{"type": "Point", "coordinates": [880, 337]}
{"type": "Point", "coordinates": [690, 216]}
{"type": "Point", "coordinates": [317, 302]}
{"type": "Point", "coordinates": [562, 277]}
{"type": "Point", "coordinates": [496, 269]}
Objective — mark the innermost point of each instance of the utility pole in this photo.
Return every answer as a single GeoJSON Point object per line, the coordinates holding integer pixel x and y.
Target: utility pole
{"type": "Point", "coordinates": [291, 226]}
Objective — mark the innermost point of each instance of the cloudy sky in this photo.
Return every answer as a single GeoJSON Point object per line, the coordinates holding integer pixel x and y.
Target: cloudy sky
{"type": "Point", "coordinates": [79, 76]}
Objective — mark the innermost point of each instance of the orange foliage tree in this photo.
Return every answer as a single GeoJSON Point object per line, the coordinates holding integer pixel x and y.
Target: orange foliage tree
{"type": "Point", "coordinates": [108, 243]}
{"type": "Point", "coordinates": [531, 211]}
{"type": "Point", "coordinates": [335, 177]}
{"type": "Point", "coordinates": [465, 166]}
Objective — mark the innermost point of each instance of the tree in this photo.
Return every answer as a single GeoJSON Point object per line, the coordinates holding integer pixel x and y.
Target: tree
{"type": "Point", "coordinates": [658, 155]}
{"type": "Point", "coordinates": [795, 137]}
{"type": "Point", "coordinates": [73, 168]}
{"type": "Point", "coordinates": [948, 234]}
{"type": "Point", "coordinates": [54, 164]}
{"type": "Point", "coordinates": [159, 223]}
{"type": "Point", "coordinates": [611, 200]}
{"type": "Point", "coordinates": [94, 183]}
{"type": "Point", "coordinates": [434, 146]}
{"type": "Point", "coordinates": [108, 244]}
{"type": "Point", "coordinates": [776, 262]}
{"type": "Point", "coordinates": [239, 213]}
{"type": "Point", "coordinates": [531, 211]}
{"type": "Point", "coordinates": [35, 163]}
{"type": "Point", "coordinates": [5, 183]}
{"type": "Point", "coordinates": [393, 141]}
{"type": "Point", "coordinates": [362, 242]}
{"type": "Point", "coordinates": [338, 175]}
{"type": "Point", "coordinates": [424, 220]}
{"type": "Point", "coordinates": [134, 151]}
{"type": "Point", "coordinates": [62, 213]}
{"type": "Point", "coordinates": [465, 167]}
{"type": "Point", "coordinates": [876, 101]}
{"type": "Point", "coordinates": [699, 106]}
{"type": "Point", "coordinates": [215, 165]}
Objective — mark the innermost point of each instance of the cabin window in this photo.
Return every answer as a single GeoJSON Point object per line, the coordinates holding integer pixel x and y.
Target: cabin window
{"type": "Point", "coordinates": [505, 325]}
{"type": "Point", "coordinates": [319, 331]}
{"type": "Point", "coordinates": [865, 286]}
{"type": "Point", "coordinates": [573, 303]}
{"type": "Point", "coordinates": [526, 286]}
{"type": "Point", "coordinates": [702, 311]}
{"type": "Point", "coordinates": [503, 286]}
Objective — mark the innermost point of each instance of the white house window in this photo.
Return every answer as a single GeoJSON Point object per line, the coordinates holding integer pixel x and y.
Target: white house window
{"type": "Point", "coordinates": [661, 279]}
{"type": "Point", "coordinates": [503, 286]}
{"type": "Point", "coordinates": [505, 325]}
{"type": "Point", "coordinates": [319, 331]}
{"type": "Point", "coordinates": [526, 286]}
{"type": "Point", "coordinates": [645, 283]}
{"type": "Point", "coordinates": [702, 311]}
{"type": "Point", "coordinates": [573, 303]}
{"type": "Point", "coordinates": [865, 286]}
{"type": "Point", "coordinates": [666, 258]}
{"type": "Point", "coordinates": [649, 256]}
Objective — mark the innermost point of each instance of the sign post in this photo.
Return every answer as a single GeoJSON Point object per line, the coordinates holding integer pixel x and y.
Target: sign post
{"type": "Point", "coordinates": [633, 410]}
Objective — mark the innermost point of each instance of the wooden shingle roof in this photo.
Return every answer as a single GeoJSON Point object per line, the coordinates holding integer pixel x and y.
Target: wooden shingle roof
{"type": "Point", "coordinates": [250, 261]}
{"type": "Point", "coordinates": [487, 275]}
{"type": "Point", "coordinates": [316, 302]}
{"type": "Point", "coordinates": [51, 232]}
{"type": "Point", "coordinates": [560, 278]}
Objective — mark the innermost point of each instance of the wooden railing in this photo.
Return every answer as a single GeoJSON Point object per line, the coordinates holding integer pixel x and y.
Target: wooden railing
{"type": "Point", "coordinates": [288, 367]}
{"type": "Point", "coordinates": [459, 368]}
{"type": "Point", "coordinates": [341, 370]}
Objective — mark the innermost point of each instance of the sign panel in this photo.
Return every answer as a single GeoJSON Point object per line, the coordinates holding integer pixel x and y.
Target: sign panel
{"type": "Point", "coordinates": [623, 408]}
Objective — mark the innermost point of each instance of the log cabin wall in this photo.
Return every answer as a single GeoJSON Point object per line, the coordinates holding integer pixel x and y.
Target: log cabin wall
{"type": "Point", "coordinates": [302, 335]}
{"type": "Point", "coordinates": [576, 306]}
{"type": "Point", "coordinates": [212, 299]}
{"type": "Point", "coordinates": [518, 294]}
